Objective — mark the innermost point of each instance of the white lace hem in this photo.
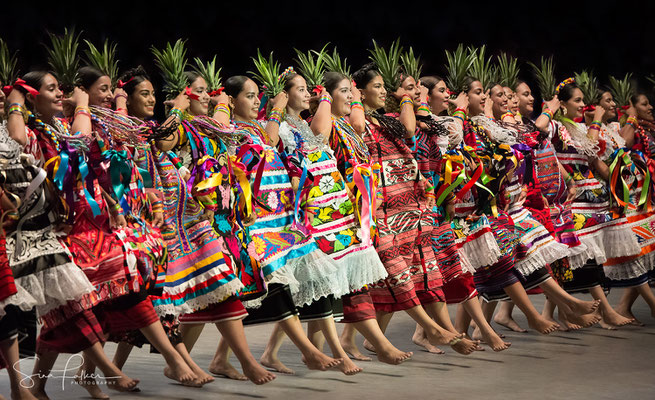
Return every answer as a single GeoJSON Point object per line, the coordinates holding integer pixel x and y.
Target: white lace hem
{"type": "Point", "coordinates": [621, 241]}
{"type": "Point", "coordinates": [362, 268]}
{"type": "Point", "coordinates": [201, 302]}
{"type": "Point", "coordinates": [547, 254]}
{"type": "Point", "coordinates": [631, 269]}
{"type": "Point", "coordinates": [318, 276]}
{"type": "Point", "coordinates": [480, 252]}
{"type": "Point", "coordinates": [50, 289]}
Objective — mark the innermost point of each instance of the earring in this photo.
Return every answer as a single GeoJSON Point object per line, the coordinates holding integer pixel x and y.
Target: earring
{"type": "Point", "coordinates": [565, 112]}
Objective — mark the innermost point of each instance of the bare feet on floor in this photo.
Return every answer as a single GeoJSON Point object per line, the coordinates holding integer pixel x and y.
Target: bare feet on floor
{"type": "Point", "coordinates": [613, 318]}
{"type": "Point", "coordinates": [494, 341]}
{"type": "Point", "coordinates": [321, 362]}
{"type": "Point", "coordinates": [257, 374]}
{"type": "Point", "coordinates": [348, 367]}
{"type": "Point", "coordinates": [508, 322]}
{"type": "Point", "coordinates": [584, 307]}
{"type": "Point", "coordinates": [194, 382]}
{"type": "Point", "coordinates": [626, 313]}
{"type": "Point", "coordinates": [394, 356]}
{"type": "Point", "coordinates": [586, 320]}
{"type": "Point", "coordinates": [90, 385]}
{"type": "Point", "coordinates": [421, 340]}
{"type": "Point", "coordinates": [352, 350]}
{"type": "Point", "coordinates": [182, 373]}
{"type": "Point", "coordinates": [543, 325]}
{"type": "Point", "coordinates": [227, 370]}
{"type": "Point", "coordinates": [122, 383]}
{"type": "Point", "coordinates": [203, 377]}
{"type": "Point", "coordinates": [368, 346]}
{"type": "Point", "coordinates": [275, 364]}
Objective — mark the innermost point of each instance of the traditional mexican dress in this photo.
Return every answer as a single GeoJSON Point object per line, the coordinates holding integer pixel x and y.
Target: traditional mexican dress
{"type": "Point", "coordinates": [404, 227]}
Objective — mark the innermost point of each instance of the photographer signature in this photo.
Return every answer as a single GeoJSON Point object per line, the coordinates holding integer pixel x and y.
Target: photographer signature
{"type": "Point", "coordinates": [27, 381]}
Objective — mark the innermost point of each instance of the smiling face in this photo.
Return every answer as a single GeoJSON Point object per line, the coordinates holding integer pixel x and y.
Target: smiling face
{"type": "Point", "coordinates": [100, 92]}
{"type": "Point", "coordinates": [341, 98]}
{"type": "Point", "coordinates": [477, 98]}
{"type": "Point", "coordinates": [438, 98]}
{"type": "Point", "coordinates": [412, 89]}
{"type": "Point", "coordinates": [48, 101]}
{"type": "Point", "coordinates": [512, 100]}
{"type": "Point", "coordinates": [525, 99]}
{"type": "Point", "coordinates": [298, 95]}
{"type": "Point", "coordinates": [607, 102]}
{"type": "Point", "coordinates": [200, 106]}
{"type": "Point", "coordinates": [246, 104]}
{"type": "Point", "coordinates": [500, 101]}
{"type": "Point", "coordinates": [141, 103]}
{"type": "Point", "coordinates": [574, 105]}
{"type": "Point", "coordinates": [374, 94]}
{"type": "Point", "coordinates": [644, 109]}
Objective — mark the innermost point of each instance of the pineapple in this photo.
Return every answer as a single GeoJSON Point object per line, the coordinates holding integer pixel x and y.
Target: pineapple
{"type": "Point", "coordinates": [508, 71]}
{"type": "Point", "coordinates": [621, 89]}
{"type": "Point", "coordinates": [482, 68]}
{"type": "Point", "coordinates": [588, 84]}
{"type": "Point", "coordinates": [8, 63]}
{"type": "Point", "coordinates": [311, 68]}
{"type": "Point", "coordinates": [388, 63]}
{"type": "Point", "coordinates": [209, 73]}
{"type": "Point", "coordinates": [335, 63]}
{"type": "Point", "coordinates": [172, 63]}
{"type": "Point", "coordinates": [411, 64]}
{"type": "Point", "coordinates": [545, 76]}
{"type": "Point", "coordinates": [268, 74]}
{"type": "Point", "coordinates": [104, 60]}
{"type": "Point", "coordinates": [63, 59]}
{"type": "Point", "coordinates": [457, 67]}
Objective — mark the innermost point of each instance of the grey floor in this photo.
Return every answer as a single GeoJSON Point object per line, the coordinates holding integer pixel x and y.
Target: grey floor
{"type": "Point", "coordinates": [593, 363]}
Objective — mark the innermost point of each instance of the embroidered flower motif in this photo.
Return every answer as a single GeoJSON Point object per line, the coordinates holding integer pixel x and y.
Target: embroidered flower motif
{"type": "Point", "coordinates": [272, 201]}
{"type": "Point", "coordinates": [260, 245]}
{"type": "Point", "coordinates": [326, 183]}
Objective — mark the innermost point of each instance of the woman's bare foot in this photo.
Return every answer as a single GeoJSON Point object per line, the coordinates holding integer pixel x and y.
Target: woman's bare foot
{"type": "Point", "coordinates": [203, 377]}
{"type": "Point", "coordinates": [394, 356]}
{"type": "Point", "coordinates": [122, 383]}
{"type": "Point", "coordinates": [226, 369]}
{"type": "Point", "coordinates": [543, 325]}
{"type": "Point", "coordinates": [348, 367]}
{"type": "Point", "coordinates": [22, 393]}
{"type": "Point", "coordinates": [627, 313]}
{"type": "Point", "coordinates": [463, 345]}
{"type": "Point", "coordinates": [275, 364]}
{"type": "Point", "coordinates": [586, 320]}
{"type": "Point", "coordinates": [182, 373]}
{"type": "Point", "coordinates": [508, 322]}
{"type": "Point", "coordinates": [421, 340]}
{"type": "Point", "coordinates": [368, 346]}
{"type": "Point", "coordinates": [321, 362]}
{"type": "Point", "coordinates": [494, 341]}
{"type": "Point", "coordinates": [613, 318]}
{"type": "Point", "coordinates": [90, 385]}
{"type": "Point", "coordinates": [257, 374]}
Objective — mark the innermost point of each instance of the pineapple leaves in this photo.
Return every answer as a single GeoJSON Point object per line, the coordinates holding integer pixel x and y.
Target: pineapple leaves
{"type": "Point", "coordinates": [63, 58]}
{"type": "Point", "coordinates": [104, 60]}
{"type": "Point", "coordinates": [8, 65]}
{"type": "Point", "coordinates": [588, 84]}
{"type": "Point", "coordinates": [411, 64]}
{"type": "Point", "coordinates": [545, 76]}
{"type": "Point", "coordinates": [458, 64]}
{"type": "Point", "coordinates": [508, 71]}
{"type": "Point", "coordinates": [335, 63]}
{"type": "Point", "coordinates": [209, 73]}
{"type": "Point", "coordinates": [388, 63]}
{"type": "Point", "coordinates": [311, 65]}
{"type": "Point", "coordinates": [268, 74]}
{"type": "Point", "coordinates": [482, 68]}
{"type": "Point", "coordinates": [172, 62]}
{"type": "Point", "coordinates": [621, 89]}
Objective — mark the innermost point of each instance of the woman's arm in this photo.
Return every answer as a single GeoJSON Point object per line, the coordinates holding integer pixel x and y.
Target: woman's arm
{"type": "Point", "coordinates": [279, 103]}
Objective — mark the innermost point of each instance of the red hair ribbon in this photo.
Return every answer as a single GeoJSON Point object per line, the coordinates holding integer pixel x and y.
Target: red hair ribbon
{"type": "Point", "coordinates": [120, 83]}
{"type": "Point", "coordinates": [318, 89]}
{"type": "Point", "coordinates": [192, 96]}
{"type": "Point", "coordinates": [589, 107]}
{"type": "Point", "coordinates": [354, 84]}
{"type": "Point", "coordinates": [7, 89]}
{"type": "Point", "coordinates": [216, 92]}
{"type": "Point", "coordinates": [620, 111]}
{"type": "Point", "coordinates": [24, 85]}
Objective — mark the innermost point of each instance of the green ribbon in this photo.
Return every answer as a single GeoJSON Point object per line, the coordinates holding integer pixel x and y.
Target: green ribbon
{"type": "Point", "coordinates": [119, 170]}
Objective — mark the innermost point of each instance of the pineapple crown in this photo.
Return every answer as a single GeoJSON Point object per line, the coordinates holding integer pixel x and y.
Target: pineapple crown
{"type": "Point", "coordinates": [63, 58]}
{"type": "Point", "coordinates": [651, 79]}
{"type": "Point", "coordinates": [621, 89]}
{"type": "Point", "coordinates": [105, 61]}
{"type": "Point", "coordinates": [458, 64]}
{"type": "Point", "coordinates": [334, 63]}
{"type": "Point", "coordinates": [545, 76]}
{"type": "Point", "coordinates": [172, 62]}
{"type": "Point", "coordinates": [209, 73]}
{"type": "Point", "coordinates": [411, 64]}
{"type": "Point", "coordinates": [508, 71]}
{"type": "Point", "coordinates": [312, 65]}
{"type": "Point", "coordinates": [8, 65]}
{"type": "Point", "coordinates": [482, 68]}
{"type": "Point", "coordinates": [388, 64]}
{"type": "Point", "coordinates": [588, 84]}
{"type": "Point", "coordinates": [268, 74]}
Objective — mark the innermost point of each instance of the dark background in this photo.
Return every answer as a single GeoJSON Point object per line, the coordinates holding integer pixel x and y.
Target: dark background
{"type": "Point", "coordinates": [612, 38]}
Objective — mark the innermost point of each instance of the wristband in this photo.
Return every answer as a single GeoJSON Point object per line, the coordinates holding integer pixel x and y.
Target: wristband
{"type": "Point", "coordinates": [177, 112]}
{"type": "Point", "coordinates": [326, 98]}
{"type": "Point", "coordinates": [406, 100]}
{"type": "Point", "coordinates": [222, 107]}
{"type": "Point", "coordinates": [276, 115]}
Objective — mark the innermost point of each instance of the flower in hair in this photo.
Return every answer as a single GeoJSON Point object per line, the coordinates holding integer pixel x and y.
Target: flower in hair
{"type": "Point", "coordinates": [564, 83]}
{"type": "Point", "coordinates": [285, 73]}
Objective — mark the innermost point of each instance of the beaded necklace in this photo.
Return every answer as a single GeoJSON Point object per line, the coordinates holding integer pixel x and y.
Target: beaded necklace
{"type": "Point", "coordinates": [353, 142]}
{"type": "Point", "coordinates": [305, 132]}
{"type": "Point", "coordinates": [255, 126]}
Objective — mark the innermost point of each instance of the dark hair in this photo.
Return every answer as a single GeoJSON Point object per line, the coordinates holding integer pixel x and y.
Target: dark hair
{"type": "Point", "coordinates": [234, 85]}
{"type": "Point", "coordinates": [430, 81]}
{"type": "Point", "coordinates": [191, 76]}
{"type": "Point", "coordinates": [365, 74]}
{"type": "Point", "coordinates": [135, 76]}
{"type": "Point", "coordinates": [520, 81]}
{"type": "Point", "coordinates": [34, 79]}
{"type": "Point", "coordinates": [332, 80]}
{"type": "Point", "coordinates": [566, 92]}
{"type": "Point", "coordinates": [634, 99]}
{"type": "Point", "coordinates": [494, 84]}
{"type": "Point", "coordinates": [88, 75]}
{"type": "Point", "coordinates": [468, 81]}
{"type": "Point", "coordinates": [287, 80]}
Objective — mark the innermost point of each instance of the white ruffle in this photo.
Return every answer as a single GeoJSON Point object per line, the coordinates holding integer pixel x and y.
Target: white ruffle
{"type": "Point", "coordinates": [547, 254]}
{"type": "Point", "coordinates": [631, 269]}
{"type": "Point", "coordinates": [465, 263]}
{"type": "Point", "coordinates": [362, 268]}
{"type": "Point", "coordinates": [201, 302]}
{"type": "Point", "coordinates": [50, 289]}
{"type": "Point", "coordinates": [481, 252]}
{"type": "Point", "coordinates": [594, 250]}
{"type": "Point", "coordinates": [318, 276]}
{"type": "Point", "coordinates": [620, 241]}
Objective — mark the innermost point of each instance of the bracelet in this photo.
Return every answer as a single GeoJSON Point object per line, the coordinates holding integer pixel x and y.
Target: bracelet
{"type": "Point", "coordinates": [17, 108]}
{"type": "Point", "coordinates": [177, 112]}
{"type": "Point", "coordinates": [117, 207]}
{"type": "Point", "coordinates": [82, 110]}
{"type": "Point", "coordinates": [222, 107]}
{"type": "Point", "coordinates": [430, 195]}
{"type": "Point", "coordinates": [547, 112]}
{"type": "Point", "coordinates": [632, 121]}
{"type": "Point", "coordinates": [507, 114]}
{"type": "Point", "coordinates": [356, 104]}
{"type": "Point", "coordinates": [424, 107]}
{"type": "Point", "coordinates": [326, 98]}
{"type": "Point", "coordinates": [406, 100]}
{"type": "Point", "coordinates": [123, 95]}
{"type": "Point", "coordinates": [121, 109]}
{"type": "Point", "coordinates": [13, 215]}
{"type": "Point", "coordinates": [595, 125]}
{"type": "Point", "coordinates": [276, 115]}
